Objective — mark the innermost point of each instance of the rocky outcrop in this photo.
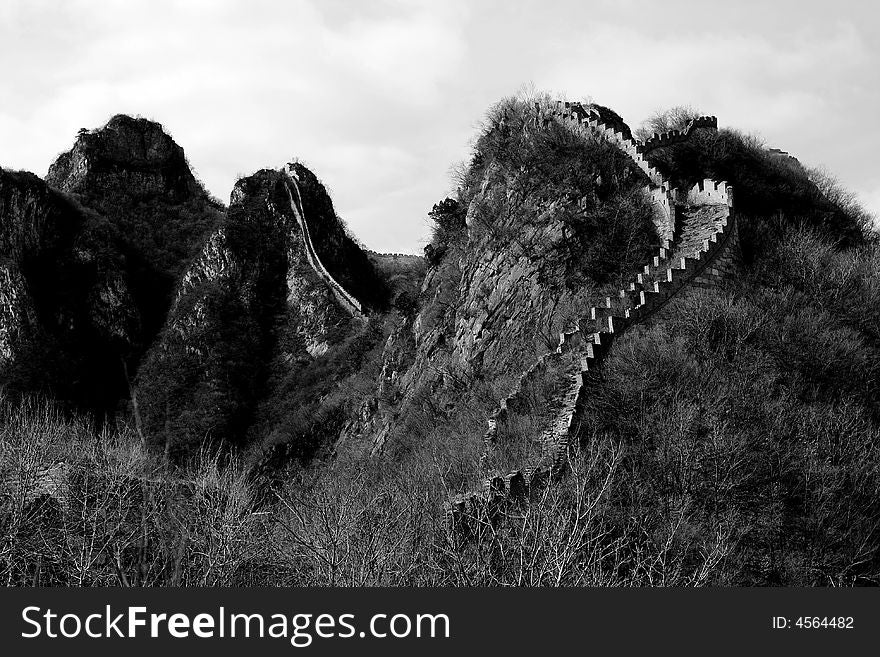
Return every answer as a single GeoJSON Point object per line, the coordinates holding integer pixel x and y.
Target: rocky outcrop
{"type": "Point", "coordinates": [91, 257]}
{"type": "Point", "coordinates": [703, 253]}
{"type": "Point", "coordinates": [122, 269]}
{"type": "Point", "coordinates": [133, 173]}
{"type": "Point", "coordinates": [497, 297]}
{"type": "Point", "coordinates": [17, 314]}
{"type": "Point", "coordinates": [133, 155]}
{"type": "Point", "coordinates": [257, 306]}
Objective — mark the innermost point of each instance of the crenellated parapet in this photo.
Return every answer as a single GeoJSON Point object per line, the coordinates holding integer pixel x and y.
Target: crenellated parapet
{"type": "Point", "coordinates": [709, 192]}
{"type": "Point", "coordinates": [396, 256]}
{"type": "Point", "coordinates": [660, 140]}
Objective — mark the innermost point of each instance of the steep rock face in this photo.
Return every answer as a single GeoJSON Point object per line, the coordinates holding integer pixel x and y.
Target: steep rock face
{"type": "Point", "coordinates": [134, 155]}
{"type": "Point", "coordinates": [90, 258]}
{"type": "Point", "coordinates": [132, 172]}
{"type": "Point", "coordinates": [66, 313]}
{"type": "Point", "coordinates": [17, 315]}
{"type": "Point", "coordinates": [344, 259]}
{"type": "Point", "coordinates": [250, 316]}
{"type": "Point", "coordinates": [543, 238]}
{"type": "Point", "coordinates": [487, 311]}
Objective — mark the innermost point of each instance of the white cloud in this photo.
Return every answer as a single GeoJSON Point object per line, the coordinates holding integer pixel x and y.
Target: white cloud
{"type": "Point", "coordinates": [382, 97]}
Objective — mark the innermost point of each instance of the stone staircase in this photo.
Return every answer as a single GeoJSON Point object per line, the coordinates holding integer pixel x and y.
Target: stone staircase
{"type": "Point", "coordinates": [699, 248]}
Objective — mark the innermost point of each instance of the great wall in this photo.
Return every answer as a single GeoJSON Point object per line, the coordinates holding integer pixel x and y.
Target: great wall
{"type": "Point", "coordinates": [676, 136]}
{"type": "Point", "coordinates": [345, 299]}
{"type": "Point", "coordinates": [395, 256]}
{"type": "Point", "coordinates": [699, 249]}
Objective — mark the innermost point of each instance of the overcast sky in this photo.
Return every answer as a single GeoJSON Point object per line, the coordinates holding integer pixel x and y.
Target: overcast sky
{"type": "Point", "coordinates": [380, 98]}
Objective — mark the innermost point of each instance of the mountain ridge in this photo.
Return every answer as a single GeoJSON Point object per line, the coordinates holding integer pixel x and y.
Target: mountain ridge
{"type": "Point", "coordinates": [681, 337]}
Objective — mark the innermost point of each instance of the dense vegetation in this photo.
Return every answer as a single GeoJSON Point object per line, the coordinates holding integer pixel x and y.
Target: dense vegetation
{"type": "Point", "coordinates": [232, 367]}
{"type": "Point", "coordinates": [158, 232]}
{"type": "Point", "coordinates": [103, 259]}
{"type": "Point", "coordinates": [556, 175]}
{"type": "Point", "coordinates": [766, 183]}
{"type": "Point", "coordinates": [546, 220]}
{"type": "Point", "coordinates": [737, 443]}
{"type": "Point", "coordinates": [749, 423]}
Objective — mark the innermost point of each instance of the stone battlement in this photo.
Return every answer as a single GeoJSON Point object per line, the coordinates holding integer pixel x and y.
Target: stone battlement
{"type": "Point", "coordinates": [411, 256]}
{"type": "Point", "coordinates": [709, 192]}
{"type": "Point", "coordinates": [675, 136]}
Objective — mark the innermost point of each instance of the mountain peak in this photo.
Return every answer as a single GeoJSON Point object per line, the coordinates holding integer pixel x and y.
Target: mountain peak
{"type": "Point", "coordinates": [131, 150]}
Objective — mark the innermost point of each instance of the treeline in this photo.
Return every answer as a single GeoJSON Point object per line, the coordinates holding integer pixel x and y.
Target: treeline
{"type": "Point", "coordinates": [735, 444]}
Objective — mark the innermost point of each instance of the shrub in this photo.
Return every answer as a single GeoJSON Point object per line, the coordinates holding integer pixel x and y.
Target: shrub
{"type": "Point", "coordinates": [448, 218]}
{"type": "Point", "coordinates": [539, 177]}
{"type": "Point", "coordinates": [114, 515]}
{"type": "Point", "coordinates": [755, 416]}
{"type": "Point", "coordinates": [765, 184]}
{"type": "Point", "coordinates": [674, 118]}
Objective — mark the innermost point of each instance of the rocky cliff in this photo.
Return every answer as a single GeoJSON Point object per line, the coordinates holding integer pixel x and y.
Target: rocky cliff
{"type": "Point", "coordinates": [537, 239]}
{"type": "Point", "coordinates": [134, 174]}
{"type": "Point", "coordinates": [133, 156]}
{"type": "Point", "coordinates": [120, 274]}
{"type": "Point", "coordinates": [66, 307]}
{"type": "Point", "coordinates": [266, 325]}
{"type": "Point", "coordinates": [256, 314]}
{"type": "Point", "coordinates": [90, 260]}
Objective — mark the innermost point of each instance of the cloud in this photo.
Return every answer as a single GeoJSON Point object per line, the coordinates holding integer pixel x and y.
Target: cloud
{"type": "Point", "coordinates": [241, 85]}
{"type": "Point", "coordinates": [381, 98]}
